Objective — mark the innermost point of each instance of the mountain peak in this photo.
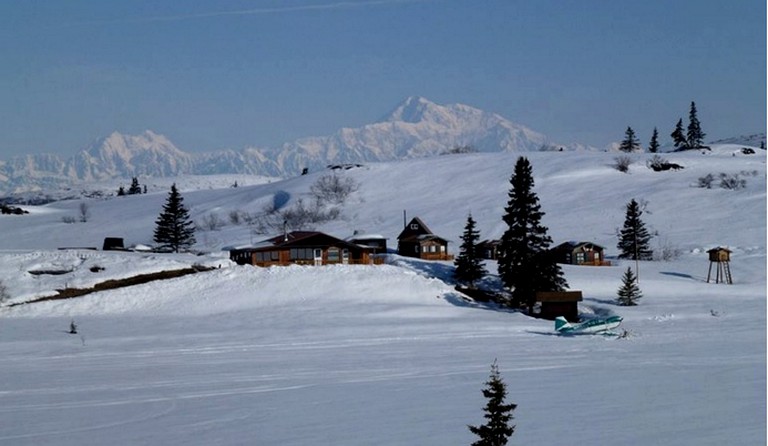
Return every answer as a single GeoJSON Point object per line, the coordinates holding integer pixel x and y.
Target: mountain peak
{"type": "Point", "coordinates": [413, 109]}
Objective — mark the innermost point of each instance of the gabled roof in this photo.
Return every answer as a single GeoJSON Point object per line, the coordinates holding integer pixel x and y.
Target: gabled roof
{"type": "Point", "coordinates": [408, 232]}
{"type": "Point", "coordinates": [572, 244]}
{"type": "Point", "coordinates": [303, 239]}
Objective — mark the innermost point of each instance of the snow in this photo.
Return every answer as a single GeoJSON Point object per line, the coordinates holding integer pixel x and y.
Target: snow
{"type": "Point", "coordinates": [391, 354]}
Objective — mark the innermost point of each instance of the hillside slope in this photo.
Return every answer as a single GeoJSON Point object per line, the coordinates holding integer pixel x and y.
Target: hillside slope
{"type": "Point", "coordinates": [391, 354]}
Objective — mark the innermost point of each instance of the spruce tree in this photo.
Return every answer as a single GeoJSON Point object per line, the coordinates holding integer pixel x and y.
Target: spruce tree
{"type": "Point", "coordinates": [678, 137]}
{"type": "Point", "coordinates": [135, 188]}
{"type": "Point", "coordinates": [469, 265]}
{"type": "Point", "coordinates": [629, 293]}
{"type": "Point", "coordinates": [173, 228]}
{"type": "Point", "coordinates": [525, 263]}
{"type": "Point", "coordinates": [120, 191]}
{"type": "Point", "coordinates": [498, 414]}
{"type": "Point", "coordinates": [634, 237]}
{"type": "Point", "coordinates": [630, 143]}
{"type": "Point", "coordinates": [653, 146]}
{"type": "Point", "coordinates": [695, 135]}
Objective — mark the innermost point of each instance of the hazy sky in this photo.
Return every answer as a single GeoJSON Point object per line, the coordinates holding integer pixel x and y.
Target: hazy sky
{"type": "Point", "coordinates": [229, 74]}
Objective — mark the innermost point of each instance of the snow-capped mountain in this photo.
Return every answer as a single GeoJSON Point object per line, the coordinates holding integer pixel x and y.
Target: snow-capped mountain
{"type": "Point", "coordinates": [416, 128]}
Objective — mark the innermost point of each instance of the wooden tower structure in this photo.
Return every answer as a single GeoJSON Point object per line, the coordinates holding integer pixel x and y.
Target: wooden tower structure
{"type": "Point", "coordinates": [722, 258]}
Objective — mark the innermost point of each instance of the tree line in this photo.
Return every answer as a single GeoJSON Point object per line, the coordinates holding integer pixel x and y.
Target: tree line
{"type": "Point", "coordinates": [691, 138]}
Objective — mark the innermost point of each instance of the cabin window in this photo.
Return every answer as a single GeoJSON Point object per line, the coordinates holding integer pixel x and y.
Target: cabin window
{"type": "Point", "coordinates": [442, 248]}
{"type": "Point", "coordinates": [416, 248]}
{"type": "Point", "coordinates": [579, 257]}
{"type": "Point", "coordinates": [333, 254]}
{"type": "Point", "coordinates": [301, 254]}
{"type": "Point", "coordinates": [433, 248]}
{"type": "Point", "coordinates": [414, 226]}
{"type": "Point", "coordinates": [597, 255]}
{"type": "Point", "coordinates": [267, 256]}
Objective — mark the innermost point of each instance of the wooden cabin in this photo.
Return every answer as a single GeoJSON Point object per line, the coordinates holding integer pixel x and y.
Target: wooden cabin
{"type": "Point", "coordinates": [489, 249]}
{"type": "Point", "coordinates": [377, 243]}
{"type": "Point", "coordinates": [580, 253]}
{"type": "Point", "coordinates": [304, 248]}
{"type": "Point", "coordinates": [559, 303]}
{"type": "Point", "coordinates": [416, 240]}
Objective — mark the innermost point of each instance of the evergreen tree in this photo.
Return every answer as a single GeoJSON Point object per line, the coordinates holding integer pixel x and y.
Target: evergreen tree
{"type": "Point", "coordinates": [678, 137]}
{"type": "Point", "coordinates": [634, 237]}
{"type": "Point", "coordinates": [653, 146]}
{"type": "Point", "coordinates": [135, 188]}
{"type": "Point", "coordinates": [695, 135]}
{"type": "Point", "coordinates": [525, 263]}
{"type": "Point", "coordinates": [120, 191]}
{"type": "Point", "coordinates": [497, 429]}
{"type": "Point", "coordinates": [173, 228]}
{"type": "Point", "coordinates": [469, 265]}
{"type": "Point", "coordinates": [630, 143]}
{"type": "Point", "coordinates": [629, 293]}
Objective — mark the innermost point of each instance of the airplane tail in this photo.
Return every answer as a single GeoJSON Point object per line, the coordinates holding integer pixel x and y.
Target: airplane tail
{"type": "Point", "coordinates": [561, 323]}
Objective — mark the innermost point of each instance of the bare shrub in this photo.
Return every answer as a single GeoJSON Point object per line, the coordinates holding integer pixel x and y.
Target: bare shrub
{"type": "Point", "coordinates": [235, 216]}
{"type": "Point", "coordinates": [68, 219]}
{"type": "Point", "coordinates": [333, 189]}
{"type": "Point", "coordinates": [211, 222]}
{"type": "Point", "coordinates": [85, 213]}
{"type": "Point", "coordinates": [706, 181]}
{"type": "Point", "coordinates": [622, 163]}
{"type": "Point", "coordinates": [4, 294]}
{"type": "Point", "coordinates": [666, 251]}
{"type": "Point", "coordinates": [732, 182]}
{"type": "Point", "coordinates": [659, 164]}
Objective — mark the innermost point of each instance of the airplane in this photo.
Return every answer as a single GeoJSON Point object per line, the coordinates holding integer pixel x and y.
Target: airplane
{"type": "Point", "coordinates": [592, 326]}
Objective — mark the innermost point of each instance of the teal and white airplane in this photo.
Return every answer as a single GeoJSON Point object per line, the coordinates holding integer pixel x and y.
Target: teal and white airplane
{"type": "Point", "coordinates": [592, 326]}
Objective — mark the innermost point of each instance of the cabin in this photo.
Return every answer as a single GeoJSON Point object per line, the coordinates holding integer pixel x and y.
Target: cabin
{"type": "Point", "coordinates": [113, 244]}
{"type": "Point", "coordinates": [580, 253]}
{"type": "Point", "coordinates": [377, 243]}
{"type": "Point", "coordinates": [416, 240]}
{"type": "Point", "coordinates": [489, 249]}
{"type": "Point", "coordinates": [559, 303]}
{"type": "Point", "coordinates": [304, 248]}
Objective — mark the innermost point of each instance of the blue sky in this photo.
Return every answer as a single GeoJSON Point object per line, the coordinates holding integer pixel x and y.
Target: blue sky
{"type": "Point", "coordinates": [230, 74]}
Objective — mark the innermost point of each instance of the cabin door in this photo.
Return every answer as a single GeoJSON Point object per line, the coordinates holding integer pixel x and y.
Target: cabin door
{"type": "Point", "coordinates": [318, 256]}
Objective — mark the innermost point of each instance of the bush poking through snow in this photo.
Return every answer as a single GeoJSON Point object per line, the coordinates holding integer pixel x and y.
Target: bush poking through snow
{"type": "Point", "coordinates": [333, 189]}
{"type": "Point", "coordinates": [622, 163]}
{"type": "Point", "coordinates": [4, 295]}
{"type": "Point", "coordinates": [659, 164]}
{"type": "Point", "coordinates": [732, 182]}
{"type": "Point", "coordinates": [211, 222]}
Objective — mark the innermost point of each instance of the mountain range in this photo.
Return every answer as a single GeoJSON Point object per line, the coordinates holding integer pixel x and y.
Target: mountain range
{"type": "Point", "coordinates": [414, 129]}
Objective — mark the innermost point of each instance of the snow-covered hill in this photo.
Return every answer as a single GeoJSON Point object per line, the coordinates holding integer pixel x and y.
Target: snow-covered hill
{"type": "Point", "coordinates": [392, 354]}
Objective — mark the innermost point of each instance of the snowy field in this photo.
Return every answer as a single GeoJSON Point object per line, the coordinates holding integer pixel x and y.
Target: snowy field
{"type": "Point", "coordinates": [391, 354]}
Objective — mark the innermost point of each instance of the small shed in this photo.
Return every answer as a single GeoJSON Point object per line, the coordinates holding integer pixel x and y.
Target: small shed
{"type": "Point", "coordinates": [559, 303]}
{"type": "Point", "coordinates": [719, 254]}
{"type": "Point", "coordinates": [377, 243]}
{"type": "Point", "coordinates": [721, 257]}
{"type": "Point", "coordinates": [113, 244]}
